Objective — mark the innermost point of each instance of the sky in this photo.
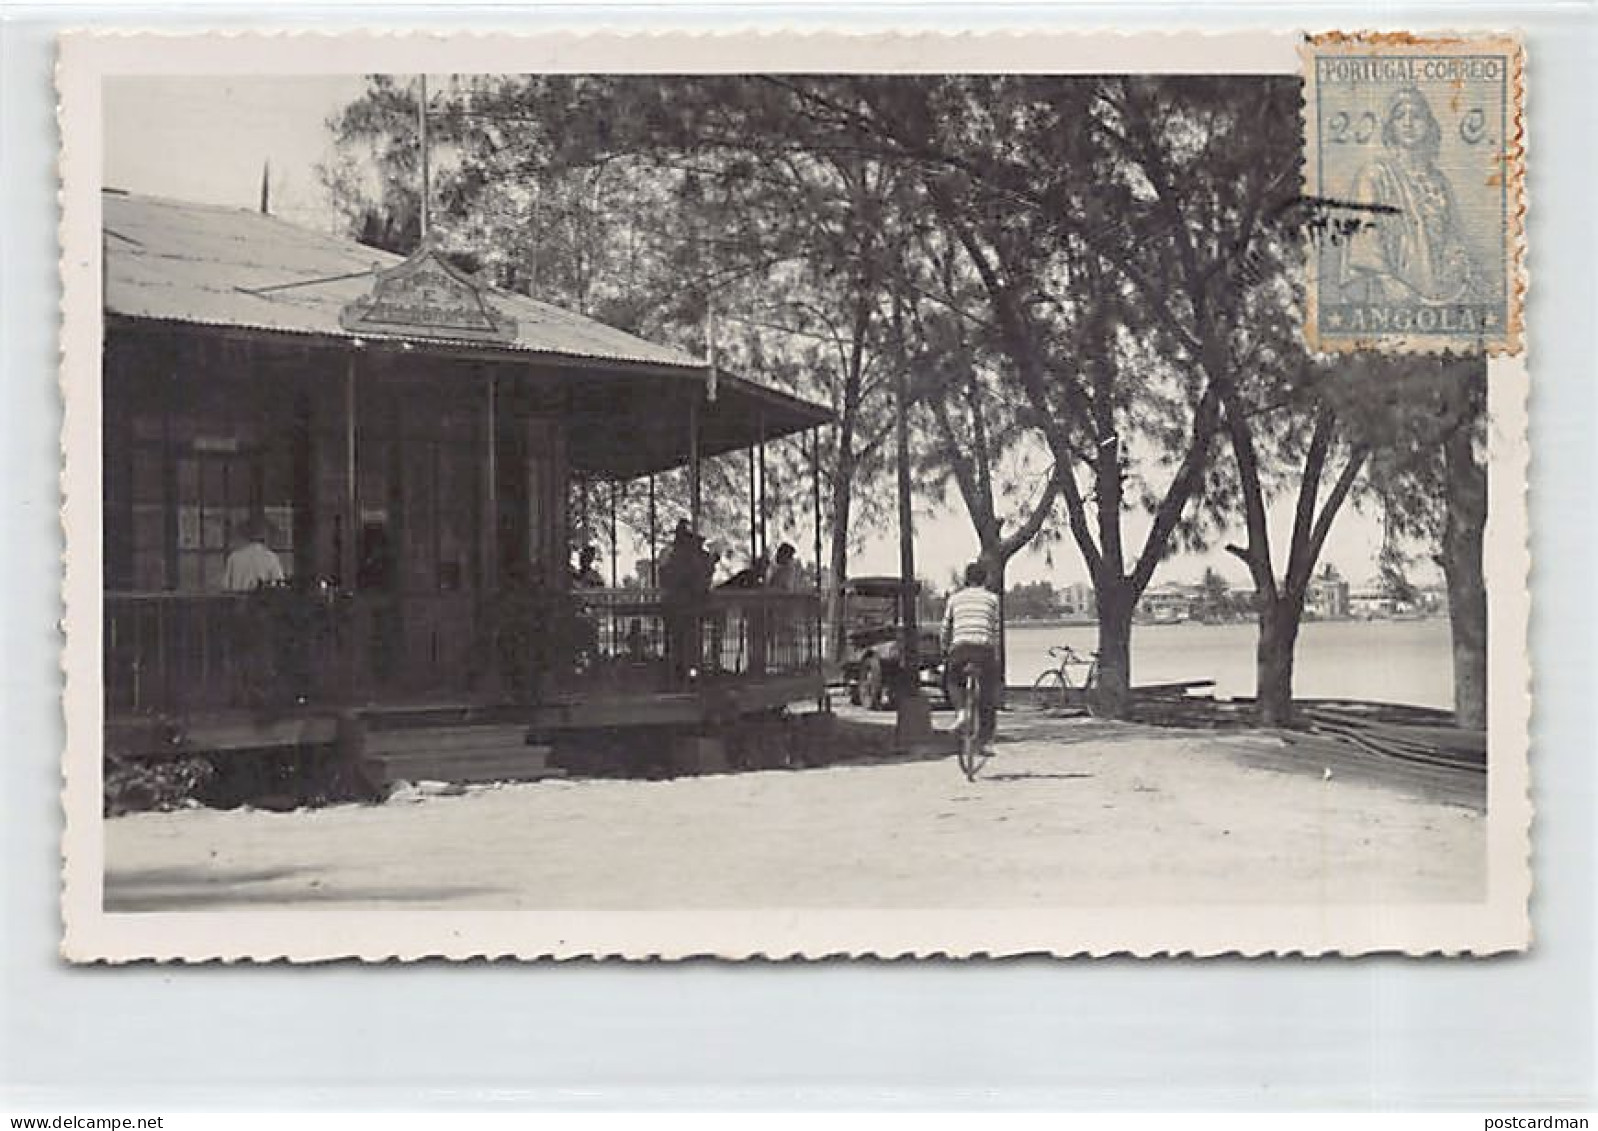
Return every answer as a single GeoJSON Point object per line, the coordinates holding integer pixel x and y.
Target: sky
{"type": "Point", "coordinates": [207, 139]}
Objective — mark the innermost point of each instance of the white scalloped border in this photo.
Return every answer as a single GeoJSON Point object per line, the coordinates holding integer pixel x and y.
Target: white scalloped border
{"type": "Point", "coordinates": [1500, 925]}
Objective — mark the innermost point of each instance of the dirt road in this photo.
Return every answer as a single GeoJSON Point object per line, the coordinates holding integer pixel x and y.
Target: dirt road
{"type": "Point", "coordinates": [1070, 813]}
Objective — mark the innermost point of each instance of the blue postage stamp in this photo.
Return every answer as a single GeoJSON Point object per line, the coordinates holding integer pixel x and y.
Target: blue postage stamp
{"type": "Point", "coordinates": [1414, 173]}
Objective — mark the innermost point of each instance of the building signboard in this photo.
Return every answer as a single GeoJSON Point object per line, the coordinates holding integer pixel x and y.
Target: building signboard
{"type": "Point", "coordinates": [426, 297]}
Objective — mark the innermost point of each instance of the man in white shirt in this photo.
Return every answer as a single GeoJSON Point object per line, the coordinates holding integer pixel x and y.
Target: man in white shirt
{"type": "Point", "coordinates": [253, 655]}
{"type": "Point", "coordinates": [971, 636]}
{"type": "Point", "coordinates": [253, 564]}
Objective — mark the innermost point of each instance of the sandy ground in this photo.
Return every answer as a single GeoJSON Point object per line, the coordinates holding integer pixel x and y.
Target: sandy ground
{"type": "Point", "coordinates": [1070, 812]}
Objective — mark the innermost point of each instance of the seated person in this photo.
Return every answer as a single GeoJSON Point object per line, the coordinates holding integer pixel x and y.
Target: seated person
{"type": "Point", "coordinates": [637, 646]}
{"type": "Point", "coordinates": [253, 564]}
{"type": "Point", "coordinates": [784, 575]}
{"type": "Point", "coordinates": [586, 576]}
{"type": "Point", "coordinates": [752, 576]}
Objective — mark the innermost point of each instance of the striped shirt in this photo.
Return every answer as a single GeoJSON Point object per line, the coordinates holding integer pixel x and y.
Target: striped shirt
{"type": "Point", "coordinates": [971, 617]}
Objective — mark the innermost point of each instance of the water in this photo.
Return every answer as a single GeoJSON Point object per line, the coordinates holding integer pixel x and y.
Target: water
{"type": "Point", "coordinates": [1386, 661]}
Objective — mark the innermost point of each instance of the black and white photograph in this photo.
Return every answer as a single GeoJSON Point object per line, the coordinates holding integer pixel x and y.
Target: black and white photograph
{"type": "Point", "coordinates": [545, 509]}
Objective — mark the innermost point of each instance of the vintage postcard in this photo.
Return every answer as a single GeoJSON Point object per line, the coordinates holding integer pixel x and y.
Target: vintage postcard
{"type": "Point", "coordinates": [552, 496]}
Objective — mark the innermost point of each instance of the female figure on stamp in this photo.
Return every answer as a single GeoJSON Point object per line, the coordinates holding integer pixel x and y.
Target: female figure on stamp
{"type": "Point", "coordinates": [1417, 253]}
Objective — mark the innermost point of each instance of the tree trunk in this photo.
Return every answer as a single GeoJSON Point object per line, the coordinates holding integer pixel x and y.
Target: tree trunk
{"type": "Point", "coordinates": [1279, 621]}
{"type": "Point", "coordinates": [995, 563]}
{"type": "Point", "coordinates": [1462, 571]}
{"type": "Point", "coordinates": [839, 560]}
{"type": "Point", "coordinates": [909, 644]}
{"type": "Point", "coordinates": [1116, 602]}
{"type": "Point", "coordinates": [846, 464]}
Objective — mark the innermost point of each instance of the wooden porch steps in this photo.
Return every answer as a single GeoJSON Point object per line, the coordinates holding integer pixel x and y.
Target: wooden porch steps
{"type": "Point", "coordinates": [472, 753]}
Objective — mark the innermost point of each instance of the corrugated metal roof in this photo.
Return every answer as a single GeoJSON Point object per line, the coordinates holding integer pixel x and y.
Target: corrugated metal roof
{"type": "Point", "coordinates": [182, 262]}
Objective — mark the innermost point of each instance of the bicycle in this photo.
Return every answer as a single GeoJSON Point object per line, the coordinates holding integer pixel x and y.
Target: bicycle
{"type": "Point", "coordinates": [973, 753]}
{"type": "Point", "coordinates": [1056, 682]}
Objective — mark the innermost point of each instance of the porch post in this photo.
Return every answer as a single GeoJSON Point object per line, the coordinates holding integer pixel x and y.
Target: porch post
{"type": "Point", "coordinates": [765, 542]}
{"type": "Point", "coordinates": [170, 370]}
{"type": "Point", "coordinates": [347, 544]}
{"type": "Point", "coordinates": [488, 534]}
{"type": "Point", "coordinates": [584, 527]}
{"type": "Point", "coordinates": [654, 538]}
{"type": "Point", "coordinates": [614, 551]}
{"type": "Point", "coordinates": [754, 510]}
{"type": "Point", "coordinates": [693, 463]}
{"type": "Point", "coordinates": [615, 580]}
{"type": "Point", "coordinates": [356, 635]}
{"type": "Point", "coordinates": [488, 540]}
{"type": "Point", "coordinates": [815, 514]}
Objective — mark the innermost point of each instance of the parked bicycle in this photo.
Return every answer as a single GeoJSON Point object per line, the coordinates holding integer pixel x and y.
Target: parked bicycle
{"type": "Point", "coordinates": [1059, 687]}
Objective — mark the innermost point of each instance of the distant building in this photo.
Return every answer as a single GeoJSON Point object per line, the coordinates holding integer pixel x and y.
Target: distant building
{"type": "Point", "coordinates": [1170, 603]}
{"type": "Point", "coordinates": [1328, 596]}
{"type": "Point", "coordinates": [1077, 601]}
{"type": "Point", "coordinates": [1371, 601]}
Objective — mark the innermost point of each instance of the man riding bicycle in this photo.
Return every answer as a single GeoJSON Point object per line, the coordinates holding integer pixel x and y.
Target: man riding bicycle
{"type": "Point", "coordinates": [971, 638]}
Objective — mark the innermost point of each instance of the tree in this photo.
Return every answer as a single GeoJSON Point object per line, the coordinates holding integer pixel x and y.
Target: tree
{"type": "Point", "coordinates": [979, 439]}
{"type": "Point", "coordinates": [1106, 219]}
{"type": "Point", "coordinates": [1394, 580]}
{"type": "Point", "coordinates": [1432, 485]}
{"type": "Point", "coordinates": [1035, 601]}
{"type": "Point", "coordinates": [1302, 465]}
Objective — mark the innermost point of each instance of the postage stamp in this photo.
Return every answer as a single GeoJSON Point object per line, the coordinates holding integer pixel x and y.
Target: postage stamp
{"type": "Point", "coordinates": [547, 496]}
{"type": "Point", "coordinates": [1415, 148]}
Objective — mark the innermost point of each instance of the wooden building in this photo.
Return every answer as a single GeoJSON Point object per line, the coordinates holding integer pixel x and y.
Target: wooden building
{"type": "Point", "coordinates": [410, 438]}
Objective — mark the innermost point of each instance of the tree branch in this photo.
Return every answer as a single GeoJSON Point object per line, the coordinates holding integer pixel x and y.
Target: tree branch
{"type": "Point", "coordinates": [1258, 556]}
{"type": "Point", "coordinates": [1012, 543]}
{"type": "Point", "coordinates": [1309, 484]}
{"type": "Point", "coordinates": [1206, 422]}
{"type": "Point", "coordinates": [1334, 501]}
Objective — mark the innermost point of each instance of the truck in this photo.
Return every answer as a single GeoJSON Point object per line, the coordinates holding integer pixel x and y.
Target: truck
{"type": "Point", "coordinates": [871, 661]}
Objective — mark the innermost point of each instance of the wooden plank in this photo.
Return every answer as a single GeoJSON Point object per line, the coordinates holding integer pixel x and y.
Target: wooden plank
{"type": "Point", "coordinates": [488, 754]}
{"type": "Point", "coordinates": [1175, 687]}
{"type": "Point", "coordinates": [502, 768]}
{"type": "Point", "coordinates": [478, 775]}
{"type": "Point", "coordinates": [446, 738]}
{"type": "Point", "coordinates": [446, 770]}
{"type": "Point", "coordinates": [778, 691]}
{"type": "Point", "coordinates": [459, 753]}
{"type": "Point", "coordinates": [251, 733]}
{"type": "Point", "coordinates": [653, 710]}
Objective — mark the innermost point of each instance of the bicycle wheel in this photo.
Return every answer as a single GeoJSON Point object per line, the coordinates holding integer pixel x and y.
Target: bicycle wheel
{"type": "Point", "coordinates": [972, 754]}
{"type": "Point", "coordinates": [1051, 689]}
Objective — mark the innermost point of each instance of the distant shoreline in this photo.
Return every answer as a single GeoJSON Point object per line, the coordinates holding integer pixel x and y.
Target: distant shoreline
{"type": "Point", "coordinates": [1385, 659]}
{"type": "Point", "coordinates": [1089, 622]}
